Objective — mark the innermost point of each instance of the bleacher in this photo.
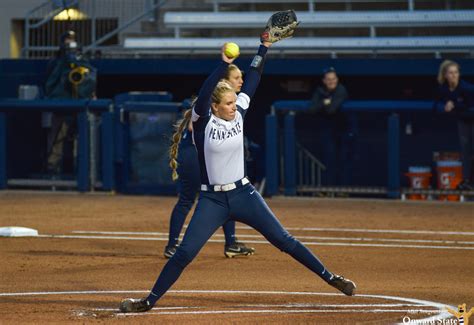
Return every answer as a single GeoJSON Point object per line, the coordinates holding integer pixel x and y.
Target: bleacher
{"type": "Point", "coordinates": [369, 19]}
{"type": "Point", "coordinates": [304, 45]}
{"type": "Point", "coordinates": [311, 3]}
{"type": "Point", "coordinates": [358, 28]}
{"type": "Point", "coordinates": [328, 30]}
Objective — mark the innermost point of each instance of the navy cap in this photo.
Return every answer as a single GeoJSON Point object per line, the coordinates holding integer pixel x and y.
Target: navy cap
{"type": "Point", "coordinates": [328, 70]}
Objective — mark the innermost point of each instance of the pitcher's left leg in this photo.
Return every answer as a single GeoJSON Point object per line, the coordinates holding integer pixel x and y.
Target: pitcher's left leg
{"type": "Point", "coordinates": [248, 207]}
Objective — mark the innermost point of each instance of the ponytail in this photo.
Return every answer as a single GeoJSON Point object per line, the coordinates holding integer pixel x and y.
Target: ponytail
{"type": "Point", "coordinates": [173, 151]}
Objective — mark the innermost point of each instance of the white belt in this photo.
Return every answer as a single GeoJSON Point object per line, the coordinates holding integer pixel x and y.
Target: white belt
{"type": "Point", "coordinates": [225, 187]}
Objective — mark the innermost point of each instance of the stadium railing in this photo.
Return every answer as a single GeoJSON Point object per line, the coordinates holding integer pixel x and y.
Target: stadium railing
{"type": "Point", "coordinates": [99, 24]}
{"type": "Point", "coordinates": [115, 160]}
{"type": "Point", "coordinates": [83, 107]}
{"type": "Point", "coordinates": [153, 103]}
{"type": "Point", "coordinates": [289, 107]}
{"type": "Point", "coordinates": [290, 177]}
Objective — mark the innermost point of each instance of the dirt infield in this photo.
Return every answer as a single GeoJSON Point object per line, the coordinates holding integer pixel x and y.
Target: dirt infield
{"type": "Point", "coordinates": [408, 259]}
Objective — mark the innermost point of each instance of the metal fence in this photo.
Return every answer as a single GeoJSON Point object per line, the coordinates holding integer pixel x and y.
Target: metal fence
{"type": "Point", "coordinates": [309, 169]}
{"type": "Point", "coordinates": [97, 23]}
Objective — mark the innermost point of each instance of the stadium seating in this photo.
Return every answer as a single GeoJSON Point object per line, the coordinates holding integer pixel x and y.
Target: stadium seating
{"type": "Point", "coordinates": [327, 32]}
{"type": "Point", "coordinates": [311, 44]}
{"type": "Point", "coordinates": [311, 3]}
{"type": "Point", "coordinates": [238, 20]}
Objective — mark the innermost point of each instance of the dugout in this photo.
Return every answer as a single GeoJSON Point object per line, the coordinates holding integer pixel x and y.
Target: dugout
{"type": "Point", "coordinates": [284, 79]}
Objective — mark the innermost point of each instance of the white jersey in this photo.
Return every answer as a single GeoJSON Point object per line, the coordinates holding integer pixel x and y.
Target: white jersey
{"type": "Point", "coordinates": [221, 145]}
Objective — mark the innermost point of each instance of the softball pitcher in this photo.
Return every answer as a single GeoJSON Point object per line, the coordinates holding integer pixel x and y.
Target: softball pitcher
{"type": "Point", "coordinates": [226, 193]}
{"type": "Point", "coordinates": [185, 165]}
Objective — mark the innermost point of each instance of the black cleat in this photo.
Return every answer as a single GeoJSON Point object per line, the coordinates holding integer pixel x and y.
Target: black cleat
{"type": "Point", "coordinates": [346, 286]}
{"type": "Point", "coordinates": [238, 249]}
{"type": "Point", "coordinates": [170, 250]}
{"type": "Point", "coordinates": [131, 305]}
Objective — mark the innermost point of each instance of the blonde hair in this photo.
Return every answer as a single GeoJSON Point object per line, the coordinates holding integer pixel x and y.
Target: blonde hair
{"type": "Point", "coordinates": [230, 68]}
{"type": "Point", "coordinates": [173, 151]}
{"type": "Point", "coordinates": [221, 88]}
{"type": "Point", "coordinates": [443, 68]}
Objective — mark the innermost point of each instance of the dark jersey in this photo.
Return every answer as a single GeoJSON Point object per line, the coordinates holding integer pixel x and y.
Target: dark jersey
{"type": "Point", "coordinates": [462, 96]}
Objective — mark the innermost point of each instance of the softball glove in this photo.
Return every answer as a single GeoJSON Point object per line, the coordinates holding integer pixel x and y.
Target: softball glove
{"type": "Point", "coordinates": [281, 25]}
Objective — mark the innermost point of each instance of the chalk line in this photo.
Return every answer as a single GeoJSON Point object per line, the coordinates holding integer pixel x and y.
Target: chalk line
{"type": "Point", "coordinates": [397, 240]}
{"type": "Point", "coordinates": [261, 242]}
{"type": "Point", "coordinates": [440, 311]}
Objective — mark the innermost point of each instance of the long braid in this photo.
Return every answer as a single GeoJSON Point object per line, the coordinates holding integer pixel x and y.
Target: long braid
{"type": "Point", "coordinates": [173, 151]}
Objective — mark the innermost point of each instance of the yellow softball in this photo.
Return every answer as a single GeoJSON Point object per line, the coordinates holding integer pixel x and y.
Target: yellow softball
{"type": "Point", "coordinates": [231, 50]}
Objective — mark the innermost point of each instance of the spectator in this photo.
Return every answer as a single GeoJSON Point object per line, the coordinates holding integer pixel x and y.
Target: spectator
{"type": "Point", "coordinates": [69, 76]}
{"type": "Point", "coordinates": [338, 129]}
{"type": "Point", "coordinates": [457, 97]}
{"type": "Point", "coordinates": [328, 99]}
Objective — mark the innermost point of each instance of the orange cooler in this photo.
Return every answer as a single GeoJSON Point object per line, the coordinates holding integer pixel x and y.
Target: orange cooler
{"type": "Point", "coordinates": [420, 178]}
{"type": "Point", "coordinates": [449, 176]}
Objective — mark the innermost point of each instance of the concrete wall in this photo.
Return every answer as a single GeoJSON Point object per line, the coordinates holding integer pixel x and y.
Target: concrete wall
{"type": "Point", "coordinates": [9, 11]}
{"type": "Point", "coordinates": [15, 10]}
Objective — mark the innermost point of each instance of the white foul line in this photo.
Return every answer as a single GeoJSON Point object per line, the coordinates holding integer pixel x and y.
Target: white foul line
{"type": "Point", "coordinates": [396, 240]}
{"type": "Point", "coordinates": [387, 231]}
{"type": "Point", "coordinates": [262, 242]}
{"type": "Point", "coordinates": [60, 293]}
{"type": "Point", "coordinates": [441, 312]}
{"type": "Point", "coordinates": [279, 306]}
{"type": "Point", "coordinates": [289, 311]}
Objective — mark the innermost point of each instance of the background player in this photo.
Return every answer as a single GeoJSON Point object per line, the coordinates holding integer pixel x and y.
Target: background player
{"type": "Point", "coordinates": [185, 165]}
{"type": "Point", "coordinates": [218, 117]}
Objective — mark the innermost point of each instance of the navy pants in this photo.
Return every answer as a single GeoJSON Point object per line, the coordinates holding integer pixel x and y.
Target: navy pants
{"type": "Point", "coordinates": [243, 204]}
{"type": "Point", "coordinates": [189, 184]}
{"type": "Point", "coordinates": [339, 134]}
{"type": "Point", "coordinates": [466, 140]}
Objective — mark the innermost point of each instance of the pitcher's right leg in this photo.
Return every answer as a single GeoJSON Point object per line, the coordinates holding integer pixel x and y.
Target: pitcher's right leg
{"type": "Point", "coordinates": [210, 214]}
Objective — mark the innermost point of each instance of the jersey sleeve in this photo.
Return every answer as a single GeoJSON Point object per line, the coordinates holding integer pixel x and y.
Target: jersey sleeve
{"type": "Point", "coordinates": [243, 103]}
{"type": "Point", "coordinates": [203, 102]}
{"type": "Point", "coordinates": [252, 77]}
